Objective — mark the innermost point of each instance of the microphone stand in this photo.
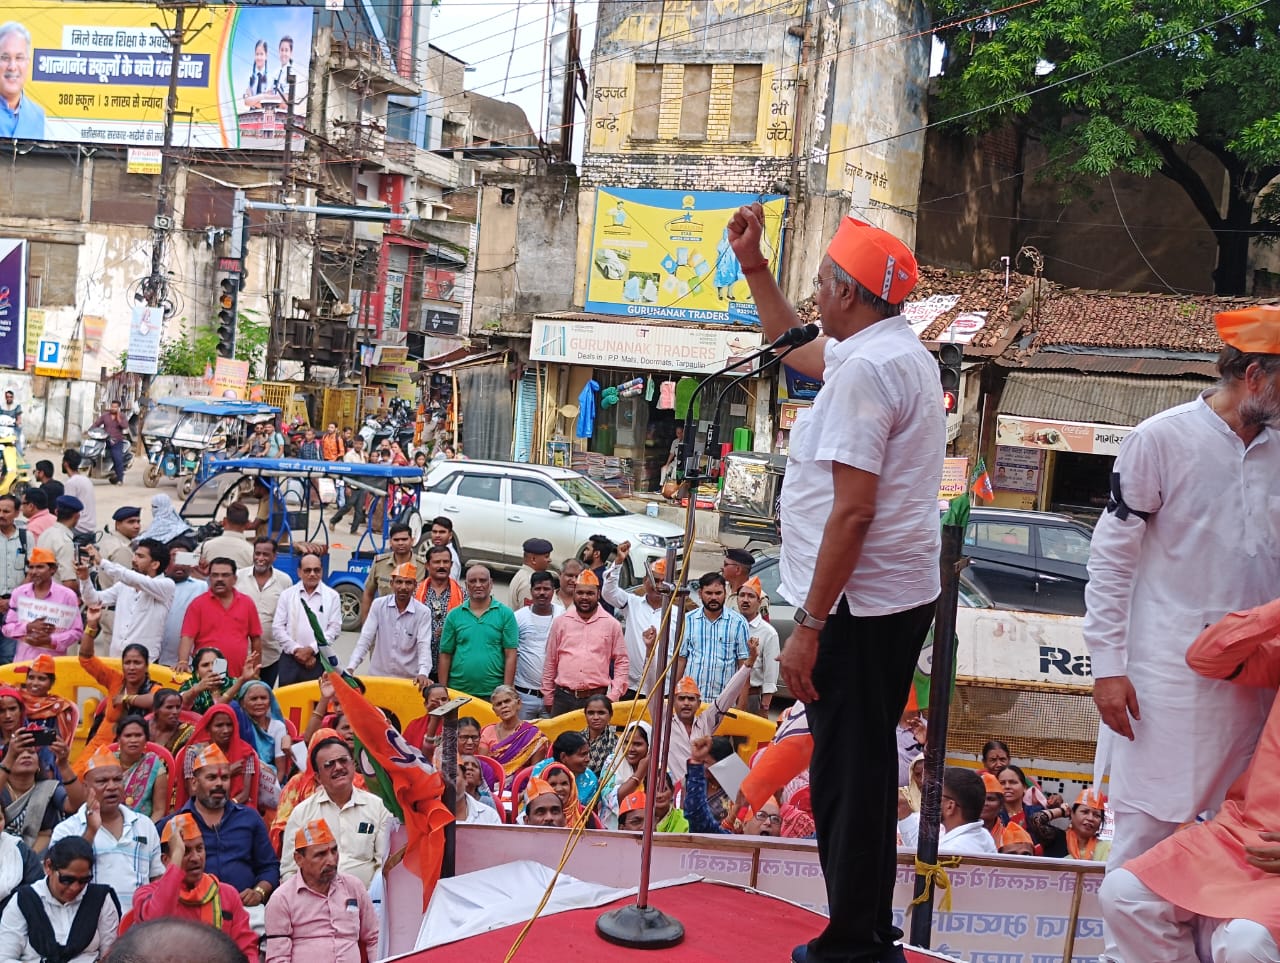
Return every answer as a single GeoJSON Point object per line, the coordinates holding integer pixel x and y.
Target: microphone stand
{"type": "Point", "coordinates": [639, 925]}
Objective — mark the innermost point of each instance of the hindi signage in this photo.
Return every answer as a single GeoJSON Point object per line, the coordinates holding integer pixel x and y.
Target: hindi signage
{"type": "Point", "coordinates": [645, 346]}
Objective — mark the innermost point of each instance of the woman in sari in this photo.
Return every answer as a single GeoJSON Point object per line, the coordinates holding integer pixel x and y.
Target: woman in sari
{"type": "Point", "coordinates": [559, 777]}
{"type": "Point", "coordinates": [129, 688]}
{"type": "Point", "coordinates": [43, 707]}
{"type": "Point", "coordinates": [219, 726]}
{"type": "Point", "coordinates": [207, 688]}
{"type": "Point", "coordinates": [511, 741]}
{"type": "Point", "coordinates": [601, 737]}
{"type": "Point", "coordinates": [13, 720]}
{"type": "Point", "coordinates": [33, 802]}
{"type": "Point", "coordinates": [570, 749]}
{"type": "Point", "coordinates": [424, 732]}
{"type": "Point", "coordinates": [146, 777]}
{"type": "Point", "coordinates": [169, 728]}
{"type": "Point", "coordinates": [262, 726]}
{"type": "Point", "coordinates": [19, 863]}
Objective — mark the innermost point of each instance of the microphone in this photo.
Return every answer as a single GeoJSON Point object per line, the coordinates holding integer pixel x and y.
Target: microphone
{"type": "Point", "coordinates": [794, 337]}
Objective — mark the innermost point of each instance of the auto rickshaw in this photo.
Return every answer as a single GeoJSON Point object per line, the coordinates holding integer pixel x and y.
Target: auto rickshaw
{"type": "Point", "coordinates": [15, 473]}
{"type": "Point", "coordinates": [183, 434]}
{"type": "Point", "coordinates": [292, 496]}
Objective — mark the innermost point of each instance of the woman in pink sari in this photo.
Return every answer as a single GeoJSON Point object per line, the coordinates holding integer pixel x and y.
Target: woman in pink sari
{"type": "Point", "coordinates": [510, 741]}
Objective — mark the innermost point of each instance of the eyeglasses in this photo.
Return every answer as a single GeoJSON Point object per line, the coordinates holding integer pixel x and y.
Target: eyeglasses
{"type": "Point", "coordinates": [819, 281]}
{"type": "Point", "coordinates": [334, 763]}
{"type": "Point", "coordinates": [771, 818]}
{"type": "Point", "coordinates": [68, 880]}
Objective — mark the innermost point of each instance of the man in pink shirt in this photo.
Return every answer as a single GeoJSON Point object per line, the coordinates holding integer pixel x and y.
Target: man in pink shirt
{"type": "Point", "coordinates": [586, 653]}
{"type": "Point", "coordinates": [222, 618]}
{"type": "Point", "coordinates": [320, 915]}
{"type": "Point", "coordinates": [35, 509]}
{"type": "Point", "coordinates": [43, 616]}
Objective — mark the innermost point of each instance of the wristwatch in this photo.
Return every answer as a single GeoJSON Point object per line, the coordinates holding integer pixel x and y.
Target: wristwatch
{"type": "Point", "coordinates": [803, 618]}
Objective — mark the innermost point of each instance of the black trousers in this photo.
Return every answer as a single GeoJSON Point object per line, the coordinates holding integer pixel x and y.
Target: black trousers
{"type": "Point", "coordinates": [562, 701]}
{"type": "Point", "coordinates": [291, 670]}
{"type": "Point", "coordinates": [863, 674]}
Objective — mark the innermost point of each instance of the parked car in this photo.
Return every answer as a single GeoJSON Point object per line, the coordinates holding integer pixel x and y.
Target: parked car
{"type": "Point", "coordinates": [782, 614]}
{"type": "Point", "coordinates": [496, 506]}
{"type": "Point", "coordinates": [1031, 561]}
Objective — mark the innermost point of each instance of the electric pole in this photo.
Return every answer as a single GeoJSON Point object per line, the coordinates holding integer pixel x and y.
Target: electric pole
{"type": "Point", "coordinates": [275, 333]}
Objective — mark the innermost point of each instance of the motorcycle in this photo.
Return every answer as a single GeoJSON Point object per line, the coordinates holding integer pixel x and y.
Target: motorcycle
{"type": "Point", "coordinates": [397, 426]}
{"type": "Point", "coordinates": [95, 460]}
{"type": "Point", "coordinates": [14, 472]}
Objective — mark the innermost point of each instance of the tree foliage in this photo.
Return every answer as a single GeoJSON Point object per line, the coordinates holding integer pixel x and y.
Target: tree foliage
{"type": "Point", "coordinates": [1155, 77]}
{"type": "Point", "coordinates": [189, 353]}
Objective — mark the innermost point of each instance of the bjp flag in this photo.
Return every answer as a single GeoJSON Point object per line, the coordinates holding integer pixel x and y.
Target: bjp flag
{"type": "Point", "coordinates": [416, 785]}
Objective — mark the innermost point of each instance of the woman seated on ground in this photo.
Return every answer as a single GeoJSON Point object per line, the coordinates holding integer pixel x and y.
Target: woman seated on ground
{"type": "Point", "coordinates": [562, 780]}
{"type": "Point", "coordinates": [219, 726]}
{"type": "Point", "coordinates": [262, 726]}
{"type": "Point", "coordinates": [168, 727]}
{"type": "Point", "coordinates": [602, 738]}
{"type": "Point", "coordinates": [33, 803]}
{"type": "Point", "coordinates": [1018, 811]}
{"type": "Point", "coordinates": [570, 750]}
{"type": "Point", "coordinates": [511, 741]}
{"type": "Point", "coordinates": [129, 688]}
{"type": "Point", "coordinates": [1080, 840]}
{"type": "Point", "coordinates": [206, 687]}
{"type": "Point", "coordinates": [65, 915]}
{"type": "Point", "coordinates": [44, 708]}
{"type": "Point", "coordinates": [146, 775]}
{"type": "Point", "coordinates": [423, 733]}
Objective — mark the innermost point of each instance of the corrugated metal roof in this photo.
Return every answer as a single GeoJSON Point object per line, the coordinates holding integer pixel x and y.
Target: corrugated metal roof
{"type": "Point", "coordinates": [1107, 399]}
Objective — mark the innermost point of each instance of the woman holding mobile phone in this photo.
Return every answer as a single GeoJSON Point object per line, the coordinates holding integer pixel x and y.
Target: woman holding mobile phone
{"type": "Point", "coordinates": [209, 685]}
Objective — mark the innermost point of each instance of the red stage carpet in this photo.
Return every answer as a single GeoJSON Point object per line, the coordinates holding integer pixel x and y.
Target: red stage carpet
{"type": "Point", "coordinates": [722, 923]}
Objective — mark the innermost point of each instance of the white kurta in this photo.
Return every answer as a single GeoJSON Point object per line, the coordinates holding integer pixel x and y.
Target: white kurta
{"type": "Point", "coordinates": [1211, 545]}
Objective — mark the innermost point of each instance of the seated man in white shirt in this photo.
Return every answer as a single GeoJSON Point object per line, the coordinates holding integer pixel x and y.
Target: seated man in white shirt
{"type": "Point", "coordinates": [357, 817]}
{"type": "Point", "coordinates": [963, 834]}
{"type": "Point", "coordinates": [126, 845]}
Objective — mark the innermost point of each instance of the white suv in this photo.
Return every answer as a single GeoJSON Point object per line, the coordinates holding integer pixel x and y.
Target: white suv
{"type": "Point", "coordinates": [495, 506]}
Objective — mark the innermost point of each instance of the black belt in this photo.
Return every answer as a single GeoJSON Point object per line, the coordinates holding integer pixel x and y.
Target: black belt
{"type": "Point", "coordinates": [584, 693]}
{"type": "Point", "coordinates": [529, 692]}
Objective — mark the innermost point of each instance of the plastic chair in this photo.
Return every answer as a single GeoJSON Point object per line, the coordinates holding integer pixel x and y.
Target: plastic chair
{"type": "Point", "coordinates": [518, 783]}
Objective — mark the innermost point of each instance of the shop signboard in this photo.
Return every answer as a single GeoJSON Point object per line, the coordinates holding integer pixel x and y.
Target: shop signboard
{"type": "Point", "coordinates": [1085, 438]}
{"type": "Point", "coordinates": [231, 379]}
{"type": "Point", "coordinates": [98, 73]}
{"type": "Point", "coordinates": [610, 344]}
{"type": "Point", "coordinates": [1017, 469]}
{"type": "Point", "coordinates": [955, 478]}
{"type": "Point", "coordinates": [665, 255]}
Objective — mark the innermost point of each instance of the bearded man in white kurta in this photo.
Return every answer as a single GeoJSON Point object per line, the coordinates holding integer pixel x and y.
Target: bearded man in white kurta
{"type": "Point", "coordinates": [1191, 532]}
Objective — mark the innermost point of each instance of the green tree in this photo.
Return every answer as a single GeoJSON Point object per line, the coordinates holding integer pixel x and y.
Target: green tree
{"type": "Point", "coordinates": [1208, 74]}
{"type": "Point", "coordinates": [188, 353]}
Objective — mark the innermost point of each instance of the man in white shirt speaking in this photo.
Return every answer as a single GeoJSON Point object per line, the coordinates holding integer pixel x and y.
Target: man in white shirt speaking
{"type": "Point", "coordinates": [860, 545]}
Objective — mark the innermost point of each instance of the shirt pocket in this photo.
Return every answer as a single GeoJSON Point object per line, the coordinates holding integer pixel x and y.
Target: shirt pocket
{"type": "Point", "coordinates": [804, 437]}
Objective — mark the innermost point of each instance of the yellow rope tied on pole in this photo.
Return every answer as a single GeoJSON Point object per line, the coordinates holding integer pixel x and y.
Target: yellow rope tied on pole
{"type": "Point", "coordinates": [935, 875]}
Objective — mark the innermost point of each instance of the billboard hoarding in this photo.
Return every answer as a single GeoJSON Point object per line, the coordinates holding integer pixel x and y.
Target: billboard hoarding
{"type": "Point", "coordinates": [99, 73]}
{"type": "Point", "coordinates": [144, 340]}
{"type": "Point", "coordinates": [645, 346]}
{"type": "Point", "coordinates": [665, 254]}
{"type": "Point", "coordinates": [13, 303]}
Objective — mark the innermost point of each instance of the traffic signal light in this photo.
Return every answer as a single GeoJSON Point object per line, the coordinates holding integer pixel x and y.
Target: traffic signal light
{"type": "Point", "coordinates": [950, 357]}
{"type": "Point", "coordinates": [228, 298]}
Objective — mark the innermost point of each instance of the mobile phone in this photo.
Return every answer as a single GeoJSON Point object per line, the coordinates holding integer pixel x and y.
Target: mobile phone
{"type": "Point", "coordinates": [220, 667]}
{"type": "Point", "coordinates": [186, 558]}
{"type": "Point", "coordinates": [43, 737]}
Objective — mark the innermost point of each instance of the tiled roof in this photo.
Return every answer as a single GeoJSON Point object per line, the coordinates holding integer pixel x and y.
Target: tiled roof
{"type": "Point", "coordinates": [1113, 319]}
{"type": "Point", "coordinates": [978, 291]}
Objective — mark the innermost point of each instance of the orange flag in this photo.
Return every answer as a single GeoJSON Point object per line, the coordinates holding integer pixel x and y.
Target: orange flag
{"type": "Point", "coordinates": [417, 785]}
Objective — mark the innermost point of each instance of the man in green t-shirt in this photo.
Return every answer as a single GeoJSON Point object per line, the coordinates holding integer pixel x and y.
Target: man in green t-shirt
{"type": "Point", "coordinates": [480, 639]}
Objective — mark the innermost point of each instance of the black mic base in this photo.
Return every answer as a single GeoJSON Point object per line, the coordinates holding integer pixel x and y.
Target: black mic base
{"type": "Point", "coordinates": [640, 928]}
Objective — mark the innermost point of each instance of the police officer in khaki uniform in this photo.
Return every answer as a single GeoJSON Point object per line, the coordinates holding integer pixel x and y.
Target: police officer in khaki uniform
{"type": "Point", "coordinates": [379, 580]}
{"type": "Point", "coordinates": [116, 546]}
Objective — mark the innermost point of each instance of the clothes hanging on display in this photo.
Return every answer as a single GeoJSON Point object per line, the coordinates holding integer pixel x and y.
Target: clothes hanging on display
{"type": "Point", "coordinates": [667, 396]}
{"type": "Point", "coordinates": [586, 424]}
{"type": "Point", "coordinates": [684, 392]}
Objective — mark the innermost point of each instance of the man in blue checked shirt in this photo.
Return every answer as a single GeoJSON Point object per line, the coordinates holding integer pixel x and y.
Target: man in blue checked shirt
{"type": "Point", "coordinates": [715, 639]}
